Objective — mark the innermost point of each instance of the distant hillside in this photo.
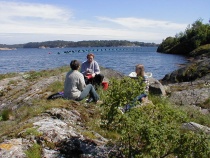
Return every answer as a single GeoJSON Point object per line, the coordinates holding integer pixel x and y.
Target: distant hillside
{"type": "Point", "coordinates": [195, 36]}
{"type": "Point", "coordinates": [11, 46]}
{"type": "Point", "coordinates": [63, 44]}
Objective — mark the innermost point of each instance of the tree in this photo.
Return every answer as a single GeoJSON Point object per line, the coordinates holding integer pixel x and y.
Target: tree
{"type": "Point", "coordinates": [194, 36]}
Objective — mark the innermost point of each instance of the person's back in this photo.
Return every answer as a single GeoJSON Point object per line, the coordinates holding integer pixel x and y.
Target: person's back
{"type": "Point", "coordinates": [73, 85]}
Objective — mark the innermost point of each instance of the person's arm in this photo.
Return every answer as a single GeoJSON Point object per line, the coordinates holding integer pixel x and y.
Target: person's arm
{"type": "Point", "coordinates": [81, 83]}
{"type": "Point", "coordinates": [96, 68]}
{"type": "Point", "coordinates": [83, 68]}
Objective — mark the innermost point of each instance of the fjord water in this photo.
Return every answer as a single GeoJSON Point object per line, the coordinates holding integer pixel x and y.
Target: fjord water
{"type": "Point", "coordinates": [122, 59]}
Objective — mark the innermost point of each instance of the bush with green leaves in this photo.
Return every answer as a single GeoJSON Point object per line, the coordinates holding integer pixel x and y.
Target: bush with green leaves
{"type": "Point", "coordinates": [150, 130]}
{"type": "Point", "coordinates": [34, 151]}
{"type": "Point", "coordinates": [4, 115]}
{"type": "Point", "coordinates": [120, 93]}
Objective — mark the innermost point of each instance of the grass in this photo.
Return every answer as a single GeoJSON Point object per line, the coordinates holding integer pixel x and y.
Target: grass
{"type": "Point", "coordinates": [193, 114]}
{"type": "Point", "coordinates": [32, 75]}
{"type": "Point", "coordinates": [56, 86]}
{"type": "Point", "coordinates": [8, 75]}
{"type": "Point", "coordinates": [206, 104]}
{"type": "Point", "coordinates": [204, 49]}
{"type": "Point", "coordinates": [34, 151]}
{"type": "Point", "coordinates": [13, 82]}
{"type": "Point", "coordinates": [5, 114]}
{"type": "Point", "coordinates": [30, 131]}
{"type": "Point", "coordinates": [24, 113]}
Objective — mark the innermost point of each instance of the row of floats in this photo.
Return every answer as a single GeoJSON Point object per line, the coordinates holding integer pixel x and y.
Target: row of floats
{"type": "Point", "coordinates": [101, 50]}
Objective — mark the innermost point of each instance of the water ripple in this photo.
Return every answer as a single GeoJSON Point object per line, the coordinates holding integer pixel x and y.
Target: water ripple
{"type": "Point", "coordinates": [120, 59]}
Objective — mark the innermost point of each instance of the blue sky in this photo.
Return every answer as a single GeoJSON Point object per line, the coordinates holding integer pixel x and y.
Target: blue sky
{"type": "Point", "coordinates": [23, 21]}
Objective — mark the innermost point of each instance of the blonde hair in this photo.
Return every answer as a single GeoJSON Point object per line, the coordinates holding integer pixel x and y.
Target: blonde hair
{"type": "Point", "coordinates": [140, 70]}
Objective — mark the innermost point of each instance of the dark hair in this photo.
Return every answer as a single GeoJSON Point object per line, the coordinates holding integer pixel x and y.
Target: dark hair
{"type": "Point", "coordinates": [90, 54]}
{"type": "Point", "coordinates": [74, 65]}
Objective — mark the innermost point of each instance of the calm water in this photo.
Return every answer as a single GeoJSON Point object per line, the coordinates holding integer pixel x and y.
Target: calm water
{"type": "Point", "coordinates": [122, 59]}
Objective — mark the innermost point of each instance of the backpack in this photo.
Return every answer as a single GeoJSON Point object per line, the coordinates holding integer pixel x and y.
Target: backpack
{"type": "Point", "coordinates": [56, 96]}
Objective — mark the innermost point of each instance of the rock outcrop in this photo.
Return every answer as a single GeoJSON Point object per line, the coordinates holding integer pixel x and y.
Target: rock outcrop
{"type": "Point", "coordinates": [190, 85]}
{"type": "Point", "coordinates": [61, 128]}
{"type": "Point", "coordinates": [194, 70]}
{"type": "Point", "coordinates": [156, 87]}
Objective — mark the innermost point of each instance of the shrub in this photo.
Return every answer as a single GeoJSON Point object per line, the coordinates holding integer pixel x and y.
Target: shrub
{"type": "Point", "coordinates": [5, 114]}
{"type": "Point", "coordinates": [120, 93]}
{"type": "Point", "coordinates": [151, 130]}
{"type": "Point", "coordinates": [34, 151]}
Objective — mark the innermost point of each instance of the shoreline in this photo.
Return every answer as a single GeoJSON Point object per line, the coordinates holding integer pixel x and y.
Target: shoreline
{"type": "Point", "coordinates": [7, 48]}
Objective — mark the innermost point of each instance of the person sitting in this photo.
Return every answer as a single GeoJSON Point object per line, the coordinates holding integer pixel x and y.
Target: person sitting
{"type": "Point", "coordinates": [91, 71]}
{"type": "Point", "coordinates": [75, 87]}
{"type": "Point", "coordinates": [139, 72]}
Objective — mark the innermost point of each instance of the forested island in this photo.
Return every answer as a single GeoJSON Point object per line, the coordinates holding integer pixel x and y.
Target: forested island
{"type": "Point", "coordinates": [194, 41]}
{"type": "Point", "coordinates": [66, 44]}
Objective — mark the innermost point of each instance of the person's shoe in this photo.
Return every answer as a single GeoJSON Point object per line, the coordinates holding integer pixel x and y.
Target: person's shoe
{"type": "Point", "coordinates": [89, 100]}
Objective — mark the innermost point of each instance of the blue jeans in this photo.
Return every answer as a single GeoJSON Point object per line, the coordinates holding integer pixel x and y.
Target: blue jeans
{"type": "Point", "coordinates": [89, 89]}
{"type": "Point", "coordinates": [138, 98]}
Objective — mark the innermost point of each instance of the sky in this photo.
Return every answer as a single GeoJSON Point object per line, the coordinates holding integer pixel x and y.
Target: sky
{"type": "Point", "coordinates": [23, 21]}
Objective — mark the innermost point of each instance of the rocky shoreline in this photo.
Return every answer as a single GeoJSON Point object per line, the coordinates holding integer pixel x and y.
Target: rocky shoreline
{"type": "Point", "coordinates": [190, 85]}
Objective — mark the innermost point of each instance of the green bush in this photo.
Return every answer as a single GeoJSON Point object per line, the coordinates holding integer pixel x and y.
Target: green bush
{"type": "Point", "coordinates": [5, 114]}
{"type": "Point", "coordinates": [151, 130]}
{"type": "Point", "coordinates": [120, 93]}
{"type": "Point", "coordinates": [34, 151]}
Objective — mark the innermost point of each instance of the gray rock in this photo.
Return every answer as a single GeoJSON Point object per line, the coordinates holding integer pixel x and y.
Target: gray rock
{"type": "Point", "coordinates": [192, 71]}
{"type": "Point", "coordinates": [189, 93]}
{"type": "Point", "coordinates": [155, 87]}
{"type": "Point", "coordinates": [196, 127]}
{"type": "Point", "coordinates": [109, 73]}
{"type": "Point", "coordinates": [12, 148]}
{"type": "Point", "coordinates": [60, 127]}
